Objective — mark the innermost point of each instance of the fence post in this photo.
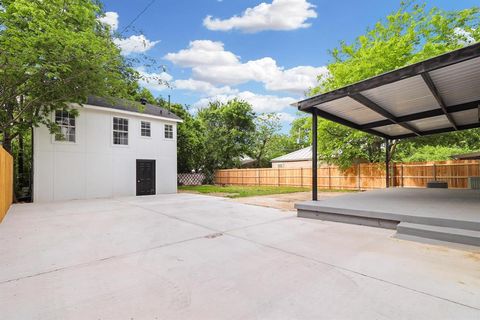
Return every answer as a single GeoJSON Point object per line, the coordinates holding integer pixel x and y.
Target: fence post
{"type": "Point", "coordinates": [329, 178]}
{"type": "Point", "coordinates": [301, 177]}
{"type": "Point", "coordinates": [358, 176]}
{"type": "Point", "coordinates": [402, 182]}
{"type": "Point", "coordinates": [434, 172]}
{"type": "Point", "coordinates": [278, 177]}
{"type": "Point", "coordinates": [394, 174]}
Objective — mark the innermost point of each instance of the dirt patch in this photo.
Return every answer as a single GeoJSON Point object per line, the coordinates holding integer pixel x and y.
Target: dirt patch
{"type": "Point", "coordinates": [285, 201]}
{"type": "Point", "coordinates": [474, 256]}
{"type": "Point", "coordinates": [213, 194]}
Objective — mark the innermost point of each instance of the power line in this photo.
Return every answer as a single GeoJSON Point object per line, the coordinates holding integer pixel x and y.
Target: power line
{"type": "Point", "coordinates": [138, 16]}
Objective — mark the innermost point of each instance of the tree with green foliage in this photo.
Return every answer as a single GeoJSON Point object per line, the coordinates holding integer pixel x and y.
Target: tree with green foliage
{"type": "Point", "coordinates": [433, 153]}
{"type": "Point", "coordinates": [190, 139]}
{"type": "Point", "coordinates": [266, 127]}
{"type": "Point", "coordinates": [228, 132]}
{"type": "Point", "coordinates": [53, 53]}
{"type": "Point", "coordinates": [301, 131]}
{"type": "Point", "coordinates": [409, 35]}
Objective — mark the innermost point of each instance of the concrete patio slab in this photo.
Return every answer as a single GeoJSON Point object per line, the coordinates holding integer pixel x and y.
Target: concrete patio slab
{"type": "Point", "coordinates": [38, 242]}
{"type": "Point", "coordinates": [218, 213]}
{"type": "Point", "coordinates": [456, 208]}
{"type": "Point", "coordinates": [435, 270]}
{"type": "Point", "coordinates": [198, 257]}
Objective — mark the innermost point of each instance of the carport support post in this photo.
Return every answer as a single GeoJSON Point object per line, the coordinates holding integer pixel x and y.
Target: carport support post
{"type": "Point", "coordinates": [314, 155]}
{"type": "Point", "coordinates": [387, 162]}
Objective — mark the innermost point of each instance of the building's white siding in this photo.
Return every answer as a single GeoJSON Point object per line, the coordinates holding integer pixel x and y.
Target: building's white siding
{"type": "Point", "coordinates": [93, 167]}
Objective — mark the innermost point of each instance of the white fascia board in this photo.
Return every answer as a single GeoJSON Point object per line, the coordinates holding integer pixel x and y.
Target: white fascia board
{"type": "Point", "coordinates": [137, 114]}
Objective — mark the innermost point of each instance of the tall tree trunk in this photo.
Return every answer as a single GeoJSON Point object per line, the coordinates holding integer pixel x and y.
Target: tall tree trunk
{"type": "Point", "coordinates": [7, 142]}
{"type": "Point", "coordinates": [21, 161]}
{"type": "Point", "coordinates": [7, 137]}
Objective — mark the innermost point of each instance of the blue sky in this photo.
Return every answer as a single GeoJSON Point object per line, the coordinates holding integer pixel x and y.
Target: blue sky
{"type": "Point", "coordinates": [267, 53]}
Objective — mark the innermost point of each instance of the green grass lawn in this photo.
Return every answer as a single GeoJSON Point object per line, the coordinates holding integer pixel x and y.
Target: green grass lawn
{"type": "Point", "coordinates": [242, 191]}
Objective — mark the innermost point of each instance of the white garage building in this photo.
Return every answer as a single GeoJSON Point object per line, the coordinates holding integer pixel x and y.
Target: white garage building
{"type": "Point", "coordinates": [111, 148]}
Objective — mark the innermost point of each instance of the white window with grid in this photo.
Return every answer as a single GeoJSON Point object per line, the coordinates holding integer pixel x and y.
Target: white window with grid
{"type": "Point", "coordinates": [120, 131]}
{"type": "Point", "coordinates": [66, 121]}
{"type": "Point", "coordinates": [168, 131]}
{"type": "Point", "coordinates": [145, 129]}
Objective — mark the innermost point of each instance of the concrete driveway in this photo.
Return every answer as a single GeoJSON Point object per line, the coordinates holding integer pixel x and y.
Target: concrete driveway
{"type": "Point", "coordinates": [197, 257]}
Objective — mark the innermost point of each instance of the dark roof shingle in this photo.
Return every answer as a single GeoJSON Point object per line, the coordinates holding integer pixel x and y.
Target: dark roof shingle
{"type": "Point", "coordinates": [132, 106]}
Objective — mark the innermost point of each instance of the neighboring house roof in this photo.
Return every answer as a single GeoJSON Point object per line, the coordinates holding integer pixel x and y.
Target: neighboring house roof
{"type": "Point", "coordinates": [131, 106]}
{"type": "Point", "coordinates": [246, 160]}
{"type": "Point", "coordinates": [304, 154]}
{"type": "Point", "coordinates": [467, 156]}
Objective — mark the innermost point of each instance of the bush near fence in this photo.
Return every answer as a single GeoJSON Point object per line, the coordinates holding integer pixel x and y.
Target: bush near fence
{"type": "Point", "coordinates": [6, 182]}
{"type": "Point", "coordinates": [365, 176]}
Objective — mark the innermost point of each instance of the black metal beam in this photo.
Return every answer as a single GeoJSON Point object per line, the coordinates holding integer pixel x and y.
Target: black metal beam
{"type": "Point", "coordinates": [433, 89]}
{"type": "Point", "coordinates": [368, 128]}
{"type": "Point", "coordinates": [314, 156]}
{"type": "Point", "coordinates": [435, 63]}
{"type": "Point", "coordinates": [424, 114]}
{"type": "Point", "coordinates": [387, 162]}
{"type": "Point", "coordinates": [345, 122]}
{"type": "Point", "coordinates": [376, 108]}
{"type": "Point", "coordinates": [442, 130]}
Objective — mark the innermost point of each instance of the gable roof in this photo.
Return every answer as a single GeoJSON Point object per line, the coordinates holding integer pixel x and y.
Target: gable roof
{"type": "Point", "coordinates": [132, 106]}
{"type": "Point", "coordinates": [304, 154]}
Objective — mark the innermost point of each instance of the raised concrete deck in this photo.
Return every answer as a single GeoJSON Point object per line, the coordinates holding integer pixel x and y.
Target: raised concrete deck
{"type": "Point", "coordinates": [448, 208]}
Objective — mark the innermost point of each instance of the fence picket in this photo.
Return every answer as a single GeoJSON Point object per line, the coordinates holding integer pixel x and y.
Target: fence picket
{"type": "Point", "coordinates": [359, 177]}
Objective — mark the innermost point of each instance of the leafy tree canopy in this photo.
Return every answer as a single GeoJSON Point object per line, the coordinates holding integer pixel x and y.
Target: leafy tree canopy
{"type": "Point", "coordinates": [228, 131]}
{"type": "Point", "coordinates": [409, 35]}
{"type": "Point", "coordinates": [266, 128]}
{"type": "Point", "coordinates": [54, 52]}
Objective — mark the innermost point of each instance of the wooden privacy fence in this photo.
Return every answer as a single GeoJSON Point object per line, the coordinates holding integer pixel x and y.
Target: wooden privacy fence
{"type": "Point", "coordinates": [363, 176]}
{"type": "Point", "coordinates": [6, 182]}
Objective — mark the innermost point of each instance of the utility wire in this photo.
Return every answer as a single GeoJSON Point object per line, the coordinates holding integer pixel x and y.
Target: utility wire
{"type": "Point", "coordinates": [138, 16]}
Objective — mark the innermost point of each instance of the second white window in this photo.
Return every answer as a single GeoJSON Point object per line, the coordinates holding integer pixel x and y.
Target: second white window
{"type": "Point", "coordinates": [168, 131]}
{"type": "Point", "coordinates": [120, 131]}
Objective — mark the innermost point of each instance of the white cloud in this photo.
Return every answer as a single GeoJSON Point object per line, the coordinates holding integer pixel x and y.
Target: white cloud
{"type": "Point", "coordinates": [260, 103]}
{"type": "Point", "coordinates": [286, 117]}
{"type": "Point", "coordinates": [110, 18]}
{"type": "Point", "coordinates": [203, 87]}
{"type": "Point", "coordinates": [211, 63]}
{"type": "Point", "coordinates": [132, 44]}
{"type": "Point", "coordinates": [154, 81]}
{"type": "Point", "coordinates": [278, 15]}
{"type": "Point", "coordinates": [298, 79]}
{"type": "Point", "coordinates": [231, 74]}
{"type": "Point", "coordinates": [203, 53]}
{"type": "Point", "coordinates": [135, 44]}
{"type": "Point", "coordinates": [464, 37]}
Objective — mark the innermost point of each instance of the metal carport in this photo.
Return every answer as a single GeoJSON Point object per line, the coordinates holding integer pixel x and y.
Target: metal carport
{"type": "Point", "coordinates": [441, 94]}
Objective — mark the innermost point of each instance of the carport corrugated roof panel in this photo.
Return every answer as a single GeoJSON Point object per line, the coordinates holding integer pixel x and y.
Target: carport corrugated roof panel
{"type": "Point", "coordinates": [391, 96]}
{"type": "Point", "coordinates": [351, 110]}
{"type": "Point", "coordinates": [465, 117]}
{"type": "Point", "coordinates": [458, 83]}
{"type": "Point", "coordinates": [437, 95]}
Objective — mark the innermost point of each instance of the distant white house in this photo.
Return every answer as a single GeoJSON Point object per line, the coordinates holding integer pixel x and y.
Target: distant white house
{"type": "Point", "coordinates": [110, 149]}
{"type": "Point", "coordinates": [298, 159]}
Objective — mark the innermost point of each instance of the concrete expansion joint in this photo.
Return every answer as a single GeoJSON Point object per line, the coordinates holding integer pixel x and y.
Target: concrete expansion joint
{"type": "Point", "coordinates": [93, 262]}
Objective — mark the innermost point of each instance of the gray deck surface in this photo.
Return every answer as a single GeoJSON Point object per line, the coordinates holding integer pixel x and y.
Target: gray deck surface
{"type": "Point", "coordinates": [196, 257]}
{"type": "Point", "coordinates": [403, 204]}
